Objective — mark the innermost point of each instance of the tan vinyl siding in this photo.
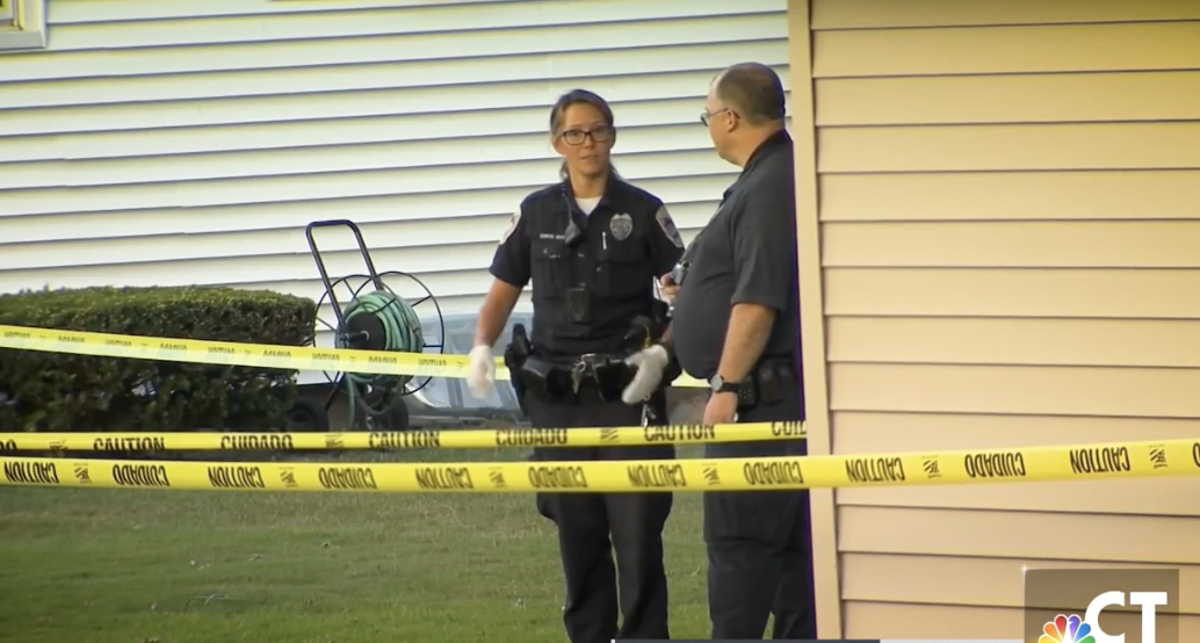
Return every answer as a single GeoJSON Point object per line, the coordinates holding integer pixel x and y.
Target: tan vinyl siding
{"type": "Point", "coordinates": [1010, 255]}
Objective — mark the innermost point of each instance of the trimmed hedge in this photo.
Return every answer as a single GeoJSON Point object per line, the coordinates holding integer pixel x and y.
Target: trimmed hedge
{"type": "Point", "coordinates": [63, 392]}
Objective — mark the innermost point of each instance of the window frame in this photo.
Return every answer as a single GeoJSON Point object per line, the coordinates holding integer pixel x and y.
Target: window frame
{"type": "Point", "coordinates": [23, 26]}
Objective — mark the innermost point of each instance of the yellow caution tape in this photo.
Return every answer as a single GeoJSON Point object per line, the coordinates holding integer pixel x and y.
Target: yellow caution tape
{"type": "Point", "coordinates": [302, 358]}
{"type": "Point", "coordinates": [1075, 462]}
{"type": "Point", "coordinates": [422, 439]}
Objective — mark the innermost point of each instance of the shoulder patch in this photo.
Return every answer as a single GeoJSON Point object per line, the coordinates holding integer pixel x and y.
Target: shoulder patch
{"type": "Point", "coordinates": [668, 226]}
{"type": "Point", "coordinates": [512, 225]}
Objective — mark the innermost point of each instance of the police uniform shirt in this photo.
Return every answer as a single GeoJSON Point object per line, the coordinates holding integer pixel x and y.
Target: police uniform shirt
{"type": "Point", "coordinates": [627, 241]}
{"type": "Point", "coordinates": [746, 253]}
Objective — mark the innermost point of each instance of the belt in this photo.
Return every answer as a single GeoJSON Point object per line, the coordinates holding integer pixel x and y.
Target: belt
{"type": "Point", "coordinates": [600, 368]}
{"type": "Point", "coordinates": [562, 377]}
{"type": "Point", "coordinates": [781, 364]}
{"type": "Point", "coordinates": [774, 364]}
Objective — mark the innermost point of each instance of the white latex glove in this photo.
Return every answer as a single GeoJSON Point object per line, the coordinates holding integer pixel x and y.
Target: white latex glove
{"type": "Point", "coordinates": [650, 364]}
{"type": "Point", "coordinates": [481, 374]}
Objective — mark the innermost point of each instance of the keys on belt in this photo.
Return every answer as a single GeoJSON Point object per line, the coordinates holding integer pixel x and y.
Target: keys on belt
{"type": "Point", "coordinates": [608, 372]}
{"type": "Point", "coordinates": [586, 368]}
{"type": "Point", "coordinates": [579, 370]}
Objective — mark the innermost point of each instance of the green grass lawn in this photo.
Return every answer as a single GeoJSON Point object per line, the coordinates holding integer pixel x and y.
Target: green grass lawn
{"type": "Point", "coordinates": [131, 566]}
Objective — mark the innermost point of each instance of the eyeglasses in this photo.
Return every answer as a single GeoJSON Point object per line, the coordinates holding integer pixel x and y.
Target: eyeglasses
{"type": "Point", "coordinates": [705, 115]}
{"type": "Point", "coordinates": [600, 134]}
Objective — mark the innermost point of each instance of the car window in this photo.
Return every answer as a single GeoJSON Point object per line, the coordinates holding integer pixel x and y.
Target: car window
{"type": "Point", "coordinates": [460, 336]}
{"type": "Point", "coordinates": [436, 390]}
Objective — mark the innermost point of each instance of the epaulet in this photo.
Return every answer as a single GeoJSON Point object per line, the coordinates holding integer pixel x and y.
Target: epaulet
{"type": "Point", "coordinates": [636, 192]}
{"type": "Point", "coordinates": [552, 190]}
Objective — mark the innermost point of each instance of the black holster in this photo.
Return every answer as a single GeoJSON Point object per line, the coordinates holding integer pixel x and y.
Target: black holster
{"type": "Point", "coordinates": [612, 375]}
{"type": "Point", "coordinates": [515, 356]}
{"type": "Point", "coordinates": [544, 379]}
{"type": "Point", "coordinates": [764, 385]}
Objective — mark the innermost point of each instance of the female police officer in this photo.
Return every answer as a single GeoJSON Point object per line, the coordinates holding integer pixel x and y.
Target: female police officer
{"type": "Point", "coordinates": [593, 246]}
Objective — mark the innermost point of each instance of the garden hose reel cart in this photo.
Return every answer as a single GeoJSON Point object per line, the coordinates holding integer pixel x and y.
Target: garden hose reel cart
{"type": "Point", "coordinates": [379, 320]}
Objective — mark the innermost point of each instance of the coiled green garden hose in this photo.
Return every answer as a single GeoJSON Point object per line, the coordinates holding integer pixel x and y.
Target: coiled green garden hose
{"type": "Point", "coordinates": [402, 333]}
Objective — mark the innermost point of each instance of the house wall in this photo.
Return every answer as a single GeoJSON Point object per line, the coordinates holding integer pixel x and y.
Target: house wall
{"type": "Point", "coordinates": [22, 24]}
{"type": "Point", "coordinates": [1009, 217]}
{"type": "Point", "coordinates": [169, 142]}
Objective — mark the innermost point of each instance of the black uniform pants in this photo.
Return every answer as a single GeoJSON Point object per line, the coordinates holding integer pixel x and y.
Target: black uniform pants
{"type": "Point", "coordinates": [759, 552]}
{"type": "Point", "coordinates": [592, 525]}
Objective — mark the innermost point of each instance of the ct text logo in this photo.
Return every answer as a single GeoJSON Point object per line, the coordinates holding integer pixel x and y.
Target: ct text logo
{"type": "Point", "coordinates": [1070, 629]}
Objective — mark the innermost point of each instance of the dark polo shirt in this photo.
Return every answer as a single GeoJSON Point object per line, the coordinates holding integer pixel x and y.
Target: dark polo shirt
{"type": "Point", "coordinates": [746, 253]}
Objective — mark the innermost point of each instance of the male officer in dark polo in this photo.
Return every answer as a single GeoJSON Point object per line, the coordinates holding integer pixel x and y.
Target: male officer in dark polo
{"type": "Point", "coordinates": [593, 246]}
{"type": "Point", "coordinates": [736, 325]}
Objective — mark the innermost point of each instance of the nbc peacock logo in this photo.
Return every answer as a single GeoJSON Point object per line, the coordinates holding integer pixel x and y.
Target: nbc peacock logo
{"type": "Point", "coordinates": [1067, 629]}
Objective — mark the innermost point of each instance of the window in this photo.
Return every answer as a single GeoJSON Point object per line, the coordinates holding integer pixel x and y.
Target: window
{"type": "Point", "coordinates": [22, 25]}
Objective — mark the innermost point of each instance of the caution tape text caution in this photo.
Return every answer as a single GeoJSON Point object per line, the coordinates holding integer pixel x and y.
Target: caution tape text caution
{"type": "Point", "coordinates": [417, 439]}
{"type": "Point", "coordinates": [1076, 462]}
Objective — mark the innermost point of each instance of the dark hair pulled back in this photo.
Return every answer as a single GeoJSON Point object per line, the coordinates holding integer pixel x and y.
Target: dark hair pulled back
{"type": "Point", "coordinates": [559, 110]}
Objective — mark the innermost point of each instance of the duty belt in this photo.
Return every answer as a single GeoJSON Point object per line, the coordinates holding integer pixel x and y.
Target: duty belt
{"type": "Point", "coordinates": [562, 379]}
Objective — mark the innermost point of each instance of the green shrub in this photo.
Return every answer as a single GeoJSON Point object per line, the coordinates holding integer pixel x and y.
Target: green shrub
{"type": "Point", "coordinates": [64, 392]}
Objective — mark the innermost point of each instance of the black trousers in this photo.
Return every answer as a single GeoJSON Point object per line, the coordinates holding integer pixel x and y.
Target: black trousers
{"type": "Point", "coordinates": [759, 543]}
{"type": "Point", "coordinates": [592, 525]}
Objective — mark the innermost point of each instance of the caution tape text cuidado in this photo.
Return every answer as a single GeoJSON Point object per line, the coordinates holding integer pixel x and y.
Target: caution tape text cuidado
{"type": "Point", "coordinates": [1075, 462]}
{"type": "Point", "coordinates": [301, 358]}
{"type": "Point", "coordinates": [416, 439]}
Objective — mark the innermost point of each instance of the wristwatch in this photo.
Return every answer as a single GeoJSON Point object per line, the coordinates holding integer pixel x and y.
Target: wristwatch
{"type": "Point", "coordinates": [719, 385]}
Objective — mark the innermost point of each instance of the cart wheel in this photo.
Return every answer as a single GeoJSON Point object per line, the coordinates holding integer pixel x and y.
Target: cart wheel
{"type": "Point", "coordinates": [307, 416]}
{"type": "Point", "coordinates": [391, 415]}
{"type": "Point", "coordinates": [397, 415]}
{"type": "Point", "coordinates": [371, 409]}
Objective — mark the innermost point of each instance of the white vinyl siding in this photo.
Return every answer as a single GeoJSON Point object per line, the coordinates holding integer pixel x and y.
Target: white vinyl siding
{"type": "Point", "coordinates": [169, 142]}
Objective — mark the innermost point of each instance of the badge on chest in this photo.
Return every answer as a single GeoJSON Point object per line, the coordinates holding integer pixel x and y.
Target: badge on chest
{"type": "Point", "coordinates": [621, 226]}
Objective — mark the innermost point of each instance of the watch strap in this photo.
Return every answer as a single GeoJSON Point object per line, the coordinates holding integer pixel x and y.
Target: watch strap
{"type": "Point", "coordinates": [719, 385]}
